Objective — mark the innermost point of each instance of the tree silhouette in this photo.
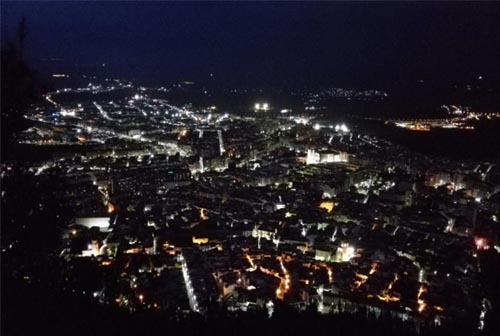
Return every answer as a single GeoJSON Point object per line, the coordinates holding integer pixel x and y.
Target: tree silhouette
{"type": "Point", "coordinates": [18, 87]}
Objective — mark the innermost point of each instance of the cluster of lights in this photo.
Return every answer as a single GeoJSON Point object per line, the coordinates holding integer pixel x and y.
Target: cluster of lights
{"type": "Point", "coordinates": [481, 243]}
{"type": "Point", "coordinates": [420, 301]}
{"type": "Point", "coordinates": [341, 128]}
{"type": "Point", "coordinates": [261, 107]}
{"type": "Point", "coordinates": [252, 264]}
{"type": "Point", "coordinates": [191, 296]}
{"type": "Point", "coordinates": [346, 252]}
{"type": "Point", "coordinates": [362, 277]}
{"type": "Point", "coordinates": [338, 128]}
{"type": "Point", "coordinates": [300, 120]}
{"type": "Point", "coordinates": [285, 281]}
{"type": "Point", "coordinates": [68, 113]}
{"type": "Point", "coordinates": [427, 125]}
{"type": "Point", "coordinates": [384, 296]}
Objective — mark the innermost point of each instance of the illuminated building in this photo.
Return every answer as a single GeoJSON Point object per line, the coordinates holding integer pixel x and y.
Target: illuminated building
{"type": "Point", "coordinates": [345, 252]}
{"type": "Point", "coordinates": [328, 206]}
{"type": "Point", "coordinates": [100, 222]}
{"type": "Point", "coordinates": [325, 156]}
{"type": "Point", "coordinates": [200, 241]}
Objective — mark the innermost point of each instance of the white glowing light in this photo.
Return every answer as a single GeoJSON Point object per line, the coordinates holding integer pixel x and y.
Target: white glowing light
{"type": "Point", "coordinates": [303, 121]}
{"type": "Point", "coordinates": [317, 127]}
{"type": "Point", "coordinates": [344, 128]}
{"type": "Point", "coordinates": [349, 253]}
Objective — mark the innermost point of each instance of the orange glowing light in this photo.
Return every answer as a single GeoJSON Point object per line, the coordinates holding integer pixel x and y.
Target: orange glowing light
{"type": "Point", "coordinates": [388, 298]}
{"type": "Point", "coordinates": [374, 268]}
{"type": "Point", "coordinates": [328, 271]}
{"type": "Point", "coordinates": [419, 127]}
{"type": "Point", "coordinates": [111, 207]}
{"type": "Point", "coordinates": [199, 241]}
{"type": "Point", "coordinates": [363, 277]}
{"type": "Point", "coordinates": [361, 281]}
{"type": "Point", "coordinates": [285, 281]}
{"type": "Point", "coordinates": [134, 250]}
{"type": "Point", "coordinates": [287, 276]}
{"type": "Point", "coordinates": [384, 296]}
{"type": "Point", "coordinates": [252, 264]}
{"type": "Point", "coordinates": [328, 206]}
{"type": "Point", "coordinates": [421, 302]}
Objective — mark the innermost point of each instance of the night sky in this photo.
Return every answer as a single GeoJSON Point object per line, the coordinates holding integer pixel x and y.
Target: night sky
{"type": "Point", "coordinates": [361, 44]}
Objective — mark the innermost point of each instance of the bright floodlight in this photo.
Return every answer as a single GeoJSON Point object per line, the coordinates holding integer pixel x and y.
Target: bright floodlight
{"type": "Point", "coordinates": [265, 106]}
{"type": "Point", "coordinates": [316, 127]}
{"type": "Point", "coordinates": [257, 106]}
{"type": "Point", "coordinates": [344, 128]}
{"type": "Point", "coordinates": [136, 97]}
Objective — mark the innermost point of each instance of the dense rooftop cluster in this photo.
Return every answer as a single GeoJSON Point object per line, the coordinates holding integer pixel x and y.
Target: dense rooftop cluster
{"type": "Point", "coordinates": [187, 208]}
